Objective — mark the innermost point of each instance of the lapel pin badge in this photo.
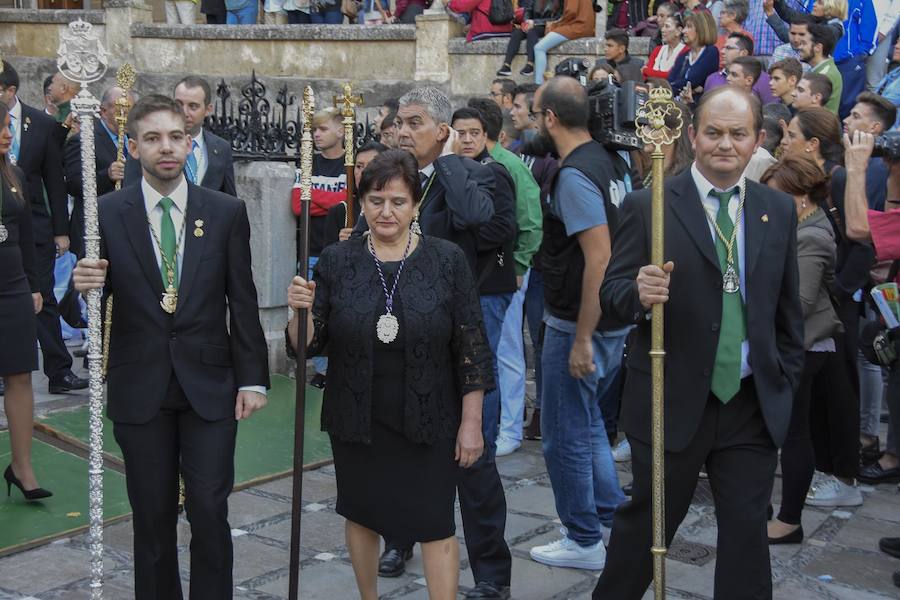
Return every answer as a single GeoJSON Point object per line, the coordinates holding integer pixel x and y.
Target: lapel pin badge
{"type": "Point", "coordinates": [765, 218]}
{"type": "Point", "coordinates": [27, 123]}
{"type": "Point", "coordinates": [198, 232]}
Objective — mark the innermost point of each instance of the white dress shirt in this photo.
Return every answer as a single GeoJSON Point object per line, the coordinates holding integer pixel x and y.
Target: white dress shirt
{"type": "Point", "coordinates": [201, 153]}
{"type": "Point", "coordinates": [178, 212]}
{"type": "Point", "coordinates": [711, 206]}
{"type": "Point", "coordinates": [15, 114]}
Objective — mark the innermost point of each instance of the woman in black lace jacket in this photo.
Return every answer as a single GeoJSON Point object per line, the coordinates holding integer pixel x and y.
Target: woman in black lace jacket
{"type": "Point", "coordinates": [398, 316]}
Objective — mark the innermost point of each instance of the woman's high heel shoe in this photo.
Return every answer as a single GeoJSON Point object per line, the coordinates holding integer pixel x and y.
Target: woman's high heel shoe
{"type": "Point", "coordinates": [30, 495]}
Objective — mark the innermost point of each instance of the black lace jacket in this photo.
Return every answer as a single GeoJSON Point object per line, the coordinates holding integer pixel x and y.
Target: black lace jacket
{"type": "Point", "coordinates": [447, 355]}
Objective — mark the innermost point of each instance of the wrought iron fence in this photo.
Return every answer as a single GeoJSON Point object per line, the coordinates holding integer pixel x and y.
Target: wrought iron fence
{"type": "Point", "coordinates": [260, 129]}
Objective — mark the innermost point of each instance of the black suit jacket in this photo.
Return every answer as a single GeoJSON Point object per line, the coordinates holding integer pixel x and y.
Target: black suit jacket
{"type": "Point", "coordinates": [219, 174]}
{"type": "Point", "coordinates": [214, 342]}
{"type": "Point", "coordinates": [40, 158]}
{"type": "Point", "coordinates": [694, 310]}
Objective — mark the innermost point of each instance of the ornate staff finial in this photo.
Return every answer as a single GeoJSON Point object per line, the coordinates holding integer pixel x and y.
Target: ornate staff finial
{"type": "Point", "coordinates": [125, 77]}
{"type": "Point", "coordinates": [81, 57]}
{"type": "Point", "coordinates": [661, 118]}
{"type": "Point", "coordinates": [347, 103]}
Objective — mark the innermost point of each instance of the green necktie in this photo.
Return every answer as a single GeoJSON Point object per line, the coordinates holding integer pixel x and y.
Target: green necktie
{"type": "Point", "coordinates": [168, 242]}
{"type": "Point", "coordinates": [726, 378]}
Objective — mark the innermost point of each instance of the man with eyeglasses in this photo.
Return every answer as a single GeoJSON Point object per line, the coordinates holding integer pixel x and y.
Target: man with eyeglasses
{"type": "Point", "coordinates": [502, 91]}
{"type": "Point", "coordinates": [738, 44]}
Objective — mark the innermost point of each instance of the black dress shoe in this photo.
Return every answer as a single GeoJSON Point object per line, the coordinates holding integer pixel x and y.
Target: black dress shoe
{"type": "Point", "coordinates": [890, 545]}
{"type": "Point", "coordinates": [870, 453]}
{"type": "Point", "coordinates": [318, 381]}
{"type": "Point", "coordinates": [487, 589]}
{"type": "Point", "coordinates": [533, 431]}
{"type": "Point", "coordinates": [393, 562]}
{"type": "Point", "coordinates": [66, 383]}
{"type": "Point", "coordinates": [875, 473]}
{"type": "Point", "coordinates": [794, 537]}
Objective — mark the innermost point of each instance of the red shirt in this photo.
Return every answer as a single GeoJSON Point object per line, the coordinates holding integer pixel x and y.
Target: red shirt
{"type": "Point", "coordinates": [480, 23]}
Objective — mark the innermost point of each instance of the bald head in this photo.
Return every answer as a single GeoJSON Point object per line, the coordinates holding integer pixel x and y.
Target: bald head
{"type": "Point", "coordinates": [730, 98]}
{"type": "Point", "coordinates": [566, 99]}
{"type": "Point", "coordinates": [108, 106]}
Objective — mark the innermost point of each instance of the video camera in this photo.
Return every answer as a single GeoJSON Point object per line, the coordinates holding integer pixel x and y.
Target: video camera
{"type": "Point", "coordinates": [613, 107]}
{"type": "Point", "coordinates": [887, 145]}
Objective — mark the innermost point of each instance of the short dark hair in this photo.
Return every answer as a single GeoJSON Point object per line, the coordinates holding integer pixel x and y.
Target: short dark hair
{"type": "Point", "coordinates": [372, 147]}
{"type": "Point", "coordinates": [883, 109]}
{"type": "Point", "coordinates": [750, 65]}
{"type": "Point", "coordinates": [774, 132]}
{"type": "Point", "coordinates": [148, 105]}
{"type": "Point", "coordinates": [527, 90]}
{"type": "Point", "coordinates": [192, 81]}
{"type": "Point", "coordinates": [777, 110]}
{"type": "Point", "coordinates": [390, 120]}
{"type": "Point", "coordinates": [388, 166]}
{"type": "Point", "coordinates": [507, 86]}
{"type": "Point", "coordinates": [823, 34]}
{"type": "Point", "coordinates": [48, 81]}
{"type": "Point", "coordinates": [568, 101]}
{"type": "Point", "coordinates": [819, 84]}
{"type": "Point", "coordinates": [802, 18]}
{"type": "Point", "coordinates": [744, 41]}
{"type": "Point", "coordinates": [755, 105]}
{"type": "Point", "coordinates": [393, 104]}
{"type": "Point", "coordinates": [619, 36]}
{"type": "Point", "coordinates": [790, 66]}
{"type": "Point", "coordinates": [491, 116]}
{"type": "Point", "coordinates": [9, 77]}
{"type": "Point", "coordinates": [467, 112]}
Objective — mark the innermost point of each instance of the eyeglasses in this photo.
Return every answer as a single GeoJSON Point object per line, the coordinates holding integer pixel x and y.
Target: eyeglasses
{"type": "Point", "coordinates": [495, 94]}
{"type": "Point", "coordinates": [534, 113]}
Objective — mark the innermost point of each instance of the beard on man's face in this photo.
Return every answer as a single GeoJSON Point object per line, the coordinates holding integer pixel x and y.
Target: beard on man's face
{"type": "Point", "coordinates": [541, 144]}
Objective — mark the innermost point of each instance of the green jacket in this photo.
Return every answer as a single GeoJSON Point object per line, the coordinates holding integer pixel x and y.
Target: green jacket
{"type": "Point", "coordinates": [830, 70]}
{"type": "Point", "coordinates": [528, 207]}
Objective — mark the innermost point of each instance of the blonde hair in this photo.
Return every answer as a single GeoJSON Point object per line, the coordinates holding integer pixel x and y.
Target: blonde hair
{"type": "Point", "coordinates": [835, 9]}
{"type": "Point", "coordinates": [326, 114]}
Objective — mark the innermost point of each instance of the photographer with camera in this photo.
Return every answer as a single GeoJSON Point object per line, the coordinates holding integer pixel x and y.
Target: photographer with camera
{"type": "Point", "coordinates": [582, 351]}
{"type": "Point", "coordinates": [883, 230]}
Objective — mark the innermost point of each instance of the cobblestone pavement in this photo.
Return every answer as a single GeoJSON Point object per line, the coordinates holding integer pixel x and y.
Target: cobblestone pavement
{"type": "Point", "coordinates": [838, 561]}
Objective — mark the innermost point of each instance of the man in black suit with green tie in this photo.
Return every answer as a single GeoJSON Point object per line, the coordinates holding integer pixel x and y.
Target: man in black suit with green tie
{"type": "Point", "coordinates": [187, 357]}
{"type": "Point", "coordinates": [734, 349]}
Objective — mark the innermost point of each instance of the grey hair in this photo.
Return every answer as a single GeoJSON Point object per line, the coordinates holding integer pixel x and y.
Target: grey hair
{"type": "Point", "coordinates": [739, 8]}
{"type": "Point", "coordinates": [433, 100]}
{"type": "Point", "coordinates": [110, 95]}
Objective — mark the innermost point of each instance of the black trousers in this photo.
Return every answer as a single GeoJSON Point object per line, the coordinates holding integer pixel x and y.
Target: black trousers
{"type": "Point", "coordinates": [203, 451]}
{"type": "Point", "coordinates": [57, 359]}
{"type": "Point", "coordinates": [834, 414]}
{"type": "Point", "coordinates": [215, 19]}
{"type": "Point", "coordinates": [531, 37]}
{"type": "Point", "coordinates": [733, 442]}
{"type": "Point", "coordinates": [798, 461]}
{"type": "Point", "coordinates": [482, 503]}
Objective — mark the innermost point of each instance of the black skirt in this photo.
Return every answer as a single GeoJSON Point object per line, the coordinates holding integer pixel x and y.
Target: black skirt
{"type": "Point", "coordinates": [403, 490]}
{"type": "Point", "coordinates": [18, 327]}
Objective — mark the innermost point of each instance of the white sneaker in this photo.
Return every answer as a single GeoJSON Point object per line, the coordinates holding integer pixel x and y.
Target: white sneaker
{"type": "Point", "coordinates": [834, 492]}
{"type": "Point", "coordinates": [565, 552]}
{"type": "Point", "coordinates": [507, 446]}
{"type": "Point", "coordinates": [622, 451]}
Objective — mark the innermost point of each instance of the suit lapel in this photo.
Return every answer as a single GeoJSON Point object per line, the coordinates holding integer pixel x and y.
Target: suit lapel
{"type": "Point", "coordinates": [193, 245]}
{"type": "Point", "coordinates": [689, 209]}
{"type": "Point", "coordinates": [26, 131]}
{"type": "Point", "coordinates": [134, 214]}
{"type": "Point", "coordinates": [755, 229]}
{"type": "Point", "coordinates": [212, 158]}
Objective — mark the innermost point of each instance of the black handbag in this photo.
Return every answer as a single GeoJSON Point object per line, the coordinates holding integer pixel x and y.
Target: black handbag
{"type": "Point", "coordinates": [878, 343]}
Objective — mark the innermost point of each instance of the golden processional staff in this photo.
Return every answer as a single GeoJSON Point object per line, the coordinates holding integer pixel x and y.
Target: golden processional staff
{"type": "Point", "coordinates": [306, 160]}
{"type": "Point", "coordinates": [661, 126]}
{"type": "Point", "coordinates": [348, 103]}
{"type": "Point", "coordinates": [124, 80]}
{"type": "Point", "coordinates": [81, 58]}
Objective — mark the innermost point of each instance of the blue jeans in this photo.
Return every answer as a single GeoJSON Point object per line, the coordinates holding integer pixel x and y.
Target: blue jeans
{"type": "Point", "coordinates": [551, 40]}
{"type": "Point", "coordinates": [511, 366]}
{"type": "Point", "coordinates": [576, 450]}
{"type": "Point", "coordinates": [332, 16]}
{"type": "Point", "coordinates": [493, 307]}
{"type": "Point", "coordinates": [243, 16]}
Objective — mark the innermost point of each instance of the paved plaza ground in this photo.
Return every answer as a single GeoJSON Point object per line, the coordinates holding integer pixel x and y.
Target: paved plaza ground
{"type": "Point", "coordinates": [839, 559]}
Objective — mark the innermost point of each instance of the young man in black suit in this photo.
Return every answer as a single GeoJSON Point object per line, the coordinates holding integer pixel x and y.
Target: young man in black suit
{"type": "Point", "coordinates": [188, 357]}
{"type": "Point", "coordinates": [37, 150]}
{"type": "Point", "coordinates": [734, 349]}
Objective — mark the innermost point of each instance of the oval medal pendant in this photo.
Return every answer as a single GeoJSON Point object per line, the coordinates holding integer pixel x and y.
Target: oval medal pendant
{"type": "Point", "coordinates": [169, 300]}
{"type": "Point", "coordinates": [731, 283]}
{"type": "Point", "coordinates": [4, 233]}
{"type": "Point", "coordinates": [387, 328]}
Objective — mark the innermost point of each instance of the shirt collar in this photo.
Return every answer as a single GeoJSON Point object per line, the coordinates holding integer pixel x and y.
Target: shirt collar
{"type": "Point", "coordinates": [427, 170]}
{"type": "Point", "coordinates": [704, 187]}
{"type": "Point", "coordinates": [201, 143]}
{"type": "Point", "coordinates": [152, 197]}
{"type": "Point", "coordinates": [16, 111]}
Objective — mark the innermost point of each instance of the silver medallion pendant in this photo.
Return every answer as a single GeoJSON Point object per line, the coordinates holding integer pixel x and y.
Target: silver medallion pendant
{"type": "Point", "coordinates": [387, 328]}
{"type": "Point", "coordinates": [4, 233]}
{"type": "Point", "coordinates": [731, 283]}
